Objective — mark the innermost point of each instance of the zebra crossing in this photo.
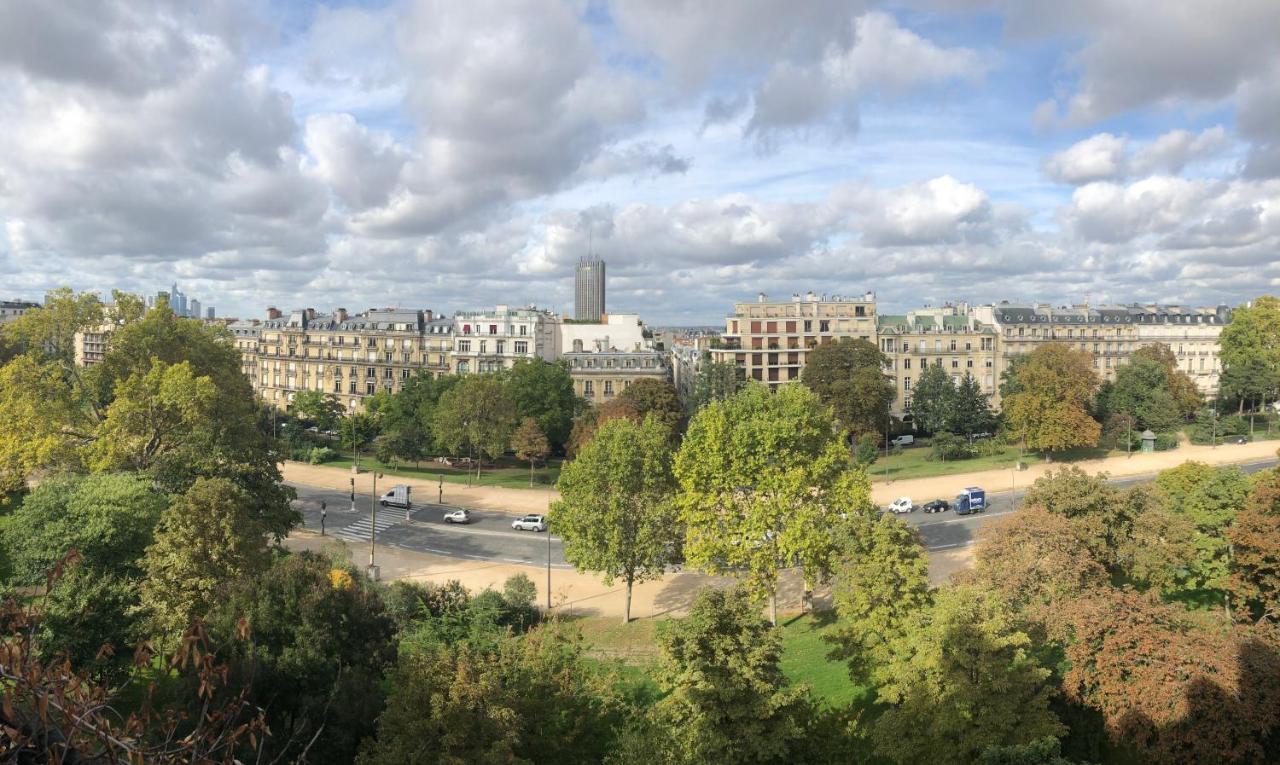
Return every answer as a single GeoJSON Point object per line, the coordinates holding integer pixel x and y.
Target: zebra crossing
{"type": "Point", "coordinates": [359, 531]}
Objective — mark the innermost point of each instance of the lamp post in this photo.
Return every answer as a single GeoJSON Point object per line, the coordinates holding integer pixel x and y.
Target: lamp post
{"type": "Point", "coordinates": [373, 527]}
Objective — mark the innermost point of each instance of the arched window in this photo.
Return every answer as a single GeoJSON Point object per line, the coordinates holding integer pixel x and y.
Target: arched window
{"type": "Point", "coordinates": [577, 346]}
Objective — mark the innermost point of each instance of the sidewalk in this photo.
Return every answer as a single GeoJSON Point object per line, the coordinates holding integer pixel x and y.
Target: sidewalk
{"type": "Point", "coordinates": [518, 501]}
{"type": "Point", "coordinates": [579, 594]}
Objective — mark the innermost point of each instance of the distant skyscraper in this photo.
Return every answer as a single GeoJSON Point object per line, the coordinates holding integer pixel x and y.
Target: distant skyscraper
{"type": "Point", "coordinates": [193, 306]}
{"type": "Point", "coordinates": [588, 302]}
{"type": "Point", "coordinates": [208, 312]}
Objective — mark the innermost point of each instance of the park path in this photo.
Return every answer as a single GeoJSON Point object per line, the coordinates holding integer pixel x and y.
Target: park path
{"type": "Point", "coordinates": [882, 492]}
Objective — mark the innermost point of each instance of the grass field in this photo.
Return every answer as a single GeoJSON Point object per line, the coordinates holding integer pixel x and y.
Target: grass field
{"type": "Point", "coordinates": [914, 462]}
{"type": "Point", "coordinates": [507, 472]}
{"type": "Point", "coordinates": [632, 649]}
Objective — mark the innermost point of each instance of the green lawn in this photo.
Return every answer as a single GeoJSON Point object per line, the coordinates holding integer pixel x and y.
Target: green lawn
{"type": "Point", "coordinates": [914, 462]}
{"type": "Point", "coordinates": [507, 472]}
{"type": "Point", "coordinates": [804, 654]}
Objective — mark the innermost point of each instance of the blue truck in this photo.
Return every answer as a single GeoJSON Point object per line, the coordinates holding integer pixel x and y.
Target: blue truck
{"type": "Point", "coordinates": [971, 500]}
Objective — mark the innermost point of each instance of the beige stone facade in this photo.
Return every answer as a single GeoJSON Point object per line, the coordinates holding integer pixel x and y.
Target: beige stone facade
{"type": "Point", "coordinates": [770, 340]}
{"type": "Point", "coordinates": [351, 357]}
{"type": "Point", "coordinates": [600, 376]}
{"type": "Point", "coordinates": [945, 338]}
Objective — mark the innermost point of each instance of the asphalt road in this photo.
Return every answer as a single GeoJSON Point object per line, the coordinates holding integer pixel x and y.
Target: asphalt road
{"type": "Point", "coordinates": [489, 536]}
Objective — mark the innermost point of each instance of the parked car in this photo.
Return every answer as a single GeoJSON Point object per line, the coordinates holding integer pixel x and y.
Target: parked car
{"type": "Point", "coordinates": [1240, 440]}
{"type": "Point", "coordinates": [903, 441]}
{"type": "Point", "coordinates": [461, 515]}
{"type": "Point", "coordinates": [937, 506]}
{"type": "Point", "coordinates": [530, 523]}
{"type": "Point", "coordinates": [901, 505]}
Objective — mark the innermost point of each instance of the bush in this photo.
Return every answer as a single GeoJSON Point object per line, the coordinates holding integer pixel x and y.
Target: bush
{"type": "Point", "coordinates": [1166, 441]}
{"type": "Point", "coordinates": [948, 446]}
{"type": "Point", "coordinates": [321, 454]}
{"type": "Point", "coordinates": [867, 449]}
{"type": "Point", "coordinates": [989, 447]}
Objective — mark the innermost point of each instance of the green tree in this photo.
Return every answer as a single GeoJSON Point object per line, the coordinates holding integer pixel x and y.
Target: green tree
{"type": "Point", "coordinates": [1045, 751]}
{"type": "Point", "coordinates": [530, 444]}
{"type": "Point", "coordinates": [477, 413]}
{"type": "Point", "coordinates": [727, 699]}
{"type": "Point", "coordinates": [933, 399]}
{"type": "Point", "coordinates": [971, 409]}
{"type": "Point", "coordinates": [616, 513]}
{"type": "Point", "coordinates": [543, 391]}
{"type": "Point", "coordinates": [716, 380]}
{"type": "Point", "coordinates": [1249, 348]}
{"type": "Point", "coordinates": [868, 449]}
{"type": "Point", "coordinates": [964, 679]}
{"type": "Point", "coordinates": [1186, 395]}
{"type": "Point", "coordinates": [49, 331]}
{"type": "Point", "coordinates": [357, 430]}
{"type": "Point", "coordinates": [44, 424]}
{"type": "Point", "coordinates": [1098, 510]}
{"type": "Point", "coordinates": [1141, 389]}
{"type": "Point", "coordinates": [206, 541]}
{"type": "Point", "coordinates": [523, 701]}
{"type": "Point", "coordinates": [322, 410]}
{"type": "Point", "coordinates": [319, 641]}
{"type": "Point", "coordinates": [882, 577]}
{"type": "Point", "coordinates": [848, 376]}
{"type": "Point", "coordinates": [659, 398]}
{"type": "Point", "coordinates": [765, 482]}
{"type": "Point", "coordinates": [1050, 409]}
{"type": "Point", "coordinates": [1209, 497]}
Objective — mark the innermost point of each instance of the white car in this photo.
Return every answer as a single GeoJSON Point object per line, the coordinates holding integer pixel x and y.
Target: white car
{"type": "Point", "coordinates": [461, 515]}
{"type": "Point", "coordinates": [530, 523]}
{"type": "Point", "coordinates": [901, 505]}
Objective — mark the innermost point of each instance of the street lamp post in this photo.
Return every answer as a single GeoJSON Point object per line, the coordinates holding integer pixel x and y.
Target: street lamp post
{"type": "Point", "coordinates": [373, 527]}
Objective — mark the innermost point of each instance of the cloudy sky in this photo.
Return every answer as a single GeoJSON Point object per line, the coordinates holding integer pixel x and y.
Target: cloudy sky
{"type": "Point", "coordinates": [445, 154]}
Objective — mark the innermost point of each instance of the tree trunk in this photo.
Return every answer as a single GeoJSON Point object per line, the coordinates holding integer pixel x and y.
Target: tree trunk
{"type": "Point", "coordinates": [626, 609]}
{"type": "Point", "coordinates": [531, 474]}
{"type": "Point", "coordinates": [773, 605]}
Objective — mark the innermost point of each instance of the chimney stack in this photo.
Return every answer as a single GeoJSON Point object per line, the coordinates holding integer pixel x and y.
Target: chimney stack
{"type": "Point", "coordinates": [311, 314]}
{"type": "Point", "coordinates": [340, 314]}
{"type": "Point", "coordinates": [273, 313]}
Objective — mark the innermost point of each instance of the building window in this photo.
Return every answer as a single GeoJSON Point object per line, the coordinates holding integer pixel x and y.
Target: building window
{"type": "Point", "coordinates": [337, 386]}
{"type": "Point", "coordinates": [464, 367]}
{"type": "Point", "coordinates": [522, 346]}
{"type": "Point", "coordinates": [588, 389]}
{"type": "Point", "coordinates": [370, 388]}
{"type": "Point", "coordinates": [501, 347]}
{"type": "Point", "coordinates": [608, 387]}
{"type": "Point", "coordinates": [388, 356]}
{"type": "Point", "coordinates": [370, 372]}
{"type": "Point", "coordinates": [955, 363]}
{"type": "Point", "coordinates": [906, 363]}
{"type": "Point", "coordinates": [464, 346]}
{"type": "Point", "coordinates": [906, 383]}
{"type": "Point", "coordinates": [351, 387]}
{"type": "Point", "coordinates": [483, 345]}
{"type": "Point", "coordinates": [493, 329]}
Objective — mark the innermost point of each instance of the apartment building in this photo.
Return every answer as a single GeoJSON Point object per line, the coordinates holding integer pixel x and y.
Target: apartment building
{"type": "Point", "coordinates": [90, 345]}
{"type": "Point", "coordinates": [245, 333]}
{"type": "Point", "coordinates": [10, 310]}
{"type": "Point", "coordinates": [598, 376]}
{"type": "Point", "coordinates": [946, 337]}
{"type": "Point", "coordinates": [490, 341]}
{"type": "Point", "coordinates": [1113, 333]}
{"type": "Point", "coordinates": [614, 332]}
{"type": "Point", "coordinates": [350, 356]}
{"type": "Point", "coordinates": [770, 340]}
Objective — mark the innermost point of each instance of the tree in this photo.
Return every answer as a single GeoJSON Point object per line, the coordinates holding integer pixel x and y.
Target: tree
{"type": "Point", "coordinates": [882, 577]}
{"type": "Point", "coordinates": [1141, 389]}
{"type": "Point", "coordinates": [1255, 546]}
{"type": "Point", "coordinates": [1249, 348]}
{"type": "Point", "coordinates": [615, 513]}
{"type": "Point", "coordinates": [867, 450]}
{"type": "Point", "coordinates": [530, 444]}
{"type": "Point", "coordinates": [715, 381]}
{"type": "Point", "coordinates": [543, 391]}
{"type": "Point", "coordinates": [476, 413]}
{"type": "Point", "coordinates": [1186, 395]}
{"type": "Point", "coordinates": [525, 701]}
{"type": "Point", "coordinates": [963, 680]}
{"type": "Point", "coordinates": [319, 641]}
{"type": "Point", "coordinates": [848, 376]}
{"type": "Point", "coordinates": [1045, 751]}
{"type": "Point", "coordinates": [356, 431]}
{"type": "Point", "coordinates": [1049, 409]}
{"type": "Point", "coordinates": [727, 699]}
{"type": "Point", "coordinates": [1209, 497]}
{"type": "Point", "coordinates": [322, 410]}
{"type": "Point", "coordinates": [659, 398]}
{"type": "Point", "coordinates": [205, 543]}
{"type": "Point", "coordinates": [765, 482]}
{"type": "Point", "coordinates": [933, 400]}
{"type": "Point", "coordinates": [1096, 509]}
{"type": "Point", "coordinates": [1175, 686]}
{"type": "Point", "coordinates": [971, 409]}
{"type": "Point", "coordinates": [593, 417]}
{"type": "Point", "coordinates": [1160, 550]}
{"type": "Point", "coordinates": [1034, 560]}
{"type": "Point", "coordinates": [49, 331]}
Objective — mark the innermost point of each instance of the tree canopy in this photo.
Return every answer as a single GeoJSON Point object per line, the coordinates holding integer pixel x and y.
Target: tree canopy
{"type": "Point", "coordinates": [1249, 348]}
{"type": "Point", "coordinates": [1049, 405]}
{"type": "Point", "coordinates": [544, 391]}
{"type": "Point", "coordinates": [848, 376]}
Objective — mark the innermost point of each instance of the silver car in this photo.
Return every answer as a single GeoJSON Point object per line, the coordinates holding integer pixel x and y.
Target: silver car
{"type": "Point", "coordinates": [530, 523]}
{"type": "Point", "coordinates": [461, 515]}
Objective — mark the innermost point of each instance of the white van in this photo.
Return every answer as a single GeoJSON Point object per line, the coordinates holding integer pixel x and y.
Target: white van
{"type": "Point", "coordinates": [397, 497]}
{"type": "Point", "coordinates": [903, 441]}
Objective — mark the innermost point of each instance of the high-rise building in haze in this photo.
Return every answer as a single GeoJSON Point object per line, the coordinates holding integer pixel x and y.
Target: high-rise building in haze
{"type": "Point", "coordinates": [193, 308]}
{"type": "Point", "coordinates": [588, 304]}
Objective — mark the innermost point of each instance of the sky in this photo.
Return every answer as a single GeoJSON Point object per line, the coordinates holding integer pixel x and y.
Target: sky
{"type": "Point", "coordinates": [456, 155]}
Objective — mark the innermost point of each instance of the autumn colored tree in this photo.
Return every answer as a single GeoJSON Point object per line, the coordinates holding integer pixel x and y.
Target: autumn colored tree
{"type": "Point", "coordinates": [648, 396]}
{"type": "Point", "coordinates": [594, 417]}
{"type": "Point", "coordinates": [1035, 559]}
{"type": "Point", "coordinates": [1050, 409]}
{"type": "Point", "coordinates": [765, 483]}
{"type": "Point", "coordinates": [1174, 685]}
{"type": "Point", "coordinates": [1095, 508]}
{"type": "Point", "coordinates": [1255, 547]}
{"type": "Point", "coordinates": [848, 376]}
{"type": "Point", "coordinates": [530, 444]}
{"type": "Point", "coordinates": [881, 578]}
{"type": "Point", "coordinates": [964, 679]}
{"type": "Point", "coordinates": [616, 512]}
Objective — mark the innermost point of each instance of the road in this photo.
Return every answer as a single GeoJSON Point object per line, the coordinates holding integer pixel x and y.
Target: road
{"type": "Point", "coordinates": [489, 537]}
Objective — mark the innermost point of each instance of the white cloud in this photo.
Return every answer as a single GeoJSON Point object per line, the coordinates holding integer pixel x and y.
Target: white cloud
{"type": "Point", "coordinates": [1099, 157]}
{"type": "Point", "coordinates": [1105, 156]}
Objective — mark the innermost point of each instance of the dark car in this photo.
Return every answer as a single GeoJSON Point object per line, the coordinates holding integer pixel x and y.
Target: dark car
{"type": "Point", "coordinates": [937, 506]}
